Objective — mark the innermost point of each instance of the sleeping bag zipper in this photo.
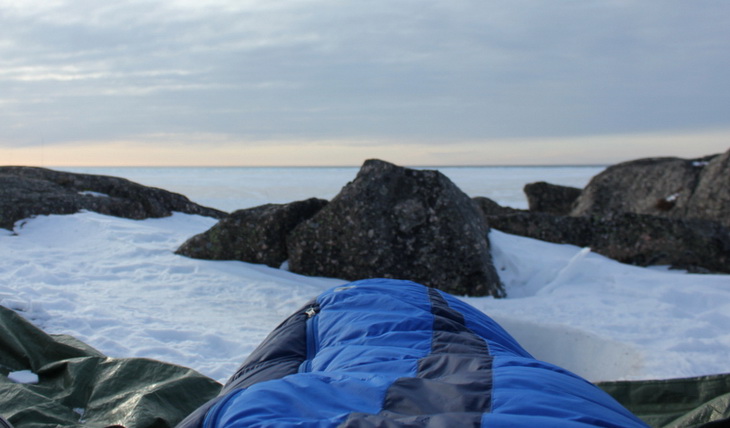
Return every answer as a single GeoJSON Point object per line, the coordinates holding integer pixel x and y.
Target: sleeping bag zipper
{"type": "Point", "coordinates": [311, 326]}
{"type": "Point", "coordinates": [212, 415]}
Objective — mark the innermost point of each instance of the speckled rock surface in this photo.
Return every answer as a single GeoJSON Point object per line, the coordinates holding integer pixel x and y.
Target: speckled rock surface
{"type": "Point", "coordinates": [551, 198]}
{"type": "Point", "coordinates": [666, 187]}
{"type": "Point", "coordinates": [490, 207]}
{"type": "Point", "coordinates": [711, 197]}
{"type": "Point", "coordinates": [255, 235]}
{"type": "Point", "coordinates": [30, 191]}
{"type": "Point", "coordinates": [396, 222]}
{"type": "Point", "coordinates": [639, 239]}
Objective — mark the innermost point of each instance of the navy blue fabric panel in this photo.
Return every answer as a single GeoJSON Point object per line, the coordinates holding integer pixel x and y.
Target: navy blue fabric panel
{"type": "Point", "coordinates": [526, 387]}
{"type": "Point", "coordinates": [388, 353]}
{"type": "Point", "coordinates": [364, 337]}
{"type": "Point", "coordinates": [451, 335]}
{"type": "Point", "coordinates": [388, 420]}
{"type": "Point", "coordinates": [460, 392]}
{"type": "Point", "coordinates": [499, 341]}
{"type": "Point", "coordinates": [451, 386]}
{"type": "Point", "coordinates": [279, 355]}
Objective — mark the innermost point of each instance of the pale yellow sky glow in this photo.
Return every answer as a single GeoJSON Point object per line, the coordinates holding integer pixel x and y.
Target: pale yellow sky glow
{"type": "Point", "coordinates": [172, 150]}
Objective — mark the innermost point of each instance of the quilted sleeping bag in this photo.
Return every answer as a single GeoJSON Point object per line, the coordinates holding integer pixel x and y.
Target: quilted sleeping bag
{"type": "Point", "coordinates": [389, 353]}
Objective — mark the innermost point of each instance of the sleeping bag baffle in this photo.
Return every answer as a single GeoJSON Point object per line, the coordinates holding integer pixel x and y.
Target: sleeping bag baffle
{"type": "Point", "coordinates": [390, 353]}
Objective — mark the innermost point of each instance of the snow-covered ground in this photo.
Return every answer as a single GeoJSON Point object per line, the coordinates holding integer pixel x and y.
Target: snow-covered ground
{"type": "Point", "coordinates": [117, 285]}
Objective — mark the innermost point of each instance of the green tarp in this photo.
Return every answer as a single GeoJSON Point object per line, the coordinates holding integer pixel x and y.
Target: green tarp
{"type": "Point", "coordinates": [79, 386]}
{"type": "Point", "coordinates": [688, 402]}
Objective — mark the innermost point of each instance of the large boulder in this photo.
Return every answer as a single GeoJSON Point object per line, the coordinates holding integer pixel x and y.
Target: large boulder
{"type": "Point", "coordinates": [551, 198]}
{"type": "Point", "coordinates": [396, 222]}
{"type": "Point", "coordinates": [490, 207]}
{"type": "Point", "coordinates": [666, 187]}
{"type": "Point", "coordinates": [255, 235]}
{"type": "Point", "coordinates": [711, 198]}
{"type": "Point", "coordinates": [30, 191]}
{"type": "Point", "coordinates": [639, 239]}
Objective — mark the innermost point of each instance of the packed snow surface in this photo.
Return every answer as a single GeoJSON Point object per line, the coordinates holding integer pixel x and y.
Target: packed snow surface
{"type": "Point", "coordinates": [117, 285]}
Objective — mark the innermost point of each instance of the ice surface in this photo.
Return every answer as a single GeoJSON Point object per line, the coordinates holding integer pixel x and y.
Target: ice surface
{"type": "Point", "coordinates": [229, 189]}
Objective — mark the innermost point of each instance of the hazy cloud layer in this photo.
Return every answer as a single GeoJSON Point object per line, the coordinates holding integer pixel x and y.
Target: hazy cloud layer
{"type": "Point", "coordinates": [402, 70]}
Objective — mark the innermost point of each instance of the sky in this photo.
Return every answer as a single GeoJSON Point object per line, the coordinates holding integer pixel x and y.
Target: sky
{"type": "Point", "coordinates": [331, 82]}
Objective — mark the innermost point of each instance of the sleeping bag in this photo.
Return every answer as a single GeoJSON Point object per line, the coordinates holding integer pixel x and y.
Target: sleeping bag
{"type": "Point", "coordinates": [389, 353]}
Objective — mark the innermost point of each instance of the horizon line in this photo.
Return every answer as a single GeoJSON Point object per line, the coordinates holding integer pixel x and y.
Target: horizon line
{"type": "Point", "coordinates": [571, 165]}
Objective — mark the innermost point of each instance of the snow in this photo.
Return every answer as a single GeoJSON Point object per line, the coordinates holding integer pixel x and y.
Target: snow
{"type": "Point", "coordinates": [605, 320]}
{"type": "Point", "coordinates": [93, 194]}
{"type": "Point", "coordinates": [117, 285]}
{"type": "Point", "coordinates": [23, 376]}
{"type": "Point", "coordinates": [673, 197]}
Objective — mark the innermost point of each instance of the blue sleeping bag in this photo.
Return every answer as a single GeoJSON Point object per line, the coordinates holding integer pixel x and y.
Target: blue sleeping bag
{"type": "Point", "coordinates": [389, 353]}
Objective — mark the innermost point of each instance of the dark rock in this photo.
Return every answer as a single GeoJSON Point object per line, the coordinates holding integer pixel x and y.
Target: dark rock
{"type": "Point", "coordinates": [667, 187]}
{"type": "Point", "coordinates": [255, 235]}
{"type": "Point", "coordinates": [551, 198]}
{"type": "Point", "coordinates": [711, 197]}
{"type": "Point", "coordinates": [397, 222]}
{"type": "Point", "coordinates": [658, 186]}
{"type": "Point", "coordinates": [29, 191]}
{"type": "Point", "coordinates": [490, 207]}
{"type": "Point", "coordinates": [638, 239]}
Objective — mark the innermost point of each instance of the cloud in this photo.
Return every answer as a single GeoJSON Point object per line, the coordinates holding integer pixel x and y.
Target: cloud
{"type": "Point", "coordinates": [400, 70]}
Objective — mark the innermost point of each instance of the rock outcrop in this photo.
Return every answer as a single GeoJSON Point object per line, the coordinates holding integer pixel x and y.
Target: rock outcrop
{"type": "Point", "coordinates": [639, 239]}
{"type": "Point", "coordinates": [30, 191]}
{"type": "Point", "coordinates": [711, 198]}
{"type": "Point", "coordinates": [551, 198]}
{"type": "Point", "coordinates": [656, 211]}
{"type": "Point", "coordinates": [490, 207]}
{"type": "Point", "coordinates": [666, 187]}
{"type": "Point", "coordinates": [255, 235]}
{"type": "Point", "coordinates": [397, 222]}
